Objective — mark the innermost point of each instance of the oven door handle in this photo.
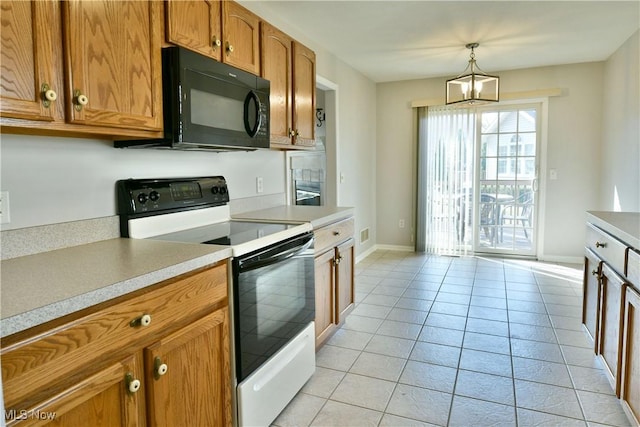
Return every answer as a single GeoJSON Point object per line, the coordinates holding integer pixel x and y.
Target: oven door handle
{"type": "Point", "coordinates": [247, 265]}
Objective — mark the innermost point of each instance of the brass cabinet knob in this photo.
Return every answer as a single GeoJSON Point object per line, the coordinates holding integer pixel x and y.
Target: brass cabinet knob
{"type": "Point", "coordinates": [80, 100]}
{"type": "Point", "coordinates": [594, 272]}
{"type": "Point", "coordinates": [48, 95]}
{"type": "Point", "coordinates": [144, 320]}
{"type": "Point", "coordinates": [336, 233]}
{"type": "Point", "coordinates": [229, 47]}
{"type": "Point", "coordinates": [159, 368]}
{"type": "Point", "coordinates": [133, 385]}
{"type": "Point", "coordinates": [292, 133]}
{"type": "Point", "coordinates": [601, 245]}
{"type": "Point", "coordinates": [216, 42]}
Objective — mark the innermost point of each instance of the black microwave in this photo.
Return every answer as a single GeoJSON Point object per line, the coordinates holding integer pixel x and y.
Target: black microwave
{"type": "Point", "coordinates": [209, 105]}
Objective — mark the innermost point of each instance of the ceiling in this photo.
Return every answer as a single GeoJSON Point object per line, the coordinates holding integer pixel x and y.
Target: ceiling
{"type": "Point", "coordinates": [402, 40]}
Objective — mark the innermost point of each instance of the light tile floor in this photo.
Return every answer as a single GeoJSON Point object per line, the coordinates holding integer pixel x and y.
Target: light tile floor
{"type": "Point", "coordinates": [467, 341]}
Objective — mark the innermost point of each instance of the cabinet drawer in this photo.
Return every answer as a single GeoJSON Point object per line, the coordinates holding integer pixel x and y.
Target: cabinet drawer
{"type": "Point", "coordinates": [633, 268]}
{"type": "Point", "coordinates": [607, 247]}
{"type": "Point", "coordinates": [332, 234]}
{"type": "Point", "coordinates": [55, 355]}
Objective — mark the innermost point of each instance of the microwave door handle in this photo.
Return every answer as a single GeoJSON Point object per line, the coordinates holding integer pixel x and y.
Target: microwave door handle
{"type": "Point", "coordinates": [274, 259]}
{"type": "Point", "coordinates": [252, 128]}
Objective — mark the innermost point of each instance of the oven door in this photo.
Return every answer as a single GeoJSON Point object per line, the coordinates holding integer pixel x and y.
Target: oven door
{"type": "Point", "coordinates": [274, 300]}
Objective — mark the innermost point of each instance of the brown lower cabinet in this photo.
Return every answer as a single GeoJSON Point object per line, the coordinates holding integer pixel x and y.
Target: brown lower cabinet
{"type": "Point", "coordinates": [159, 357]}
{"type": "Point", "coordinates": [611, 301]}
{"type": "Point", "coordinates": [610, 337]}
{"type": "Point", "coordinates": [334, 277]}
{"type": "Point", "coordinates": [630, 392]}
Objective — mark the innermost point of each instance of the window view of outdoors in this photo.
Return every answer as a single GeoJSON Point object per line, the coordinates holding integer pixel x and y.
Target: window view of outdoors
{"type": "Point", "coordinates": [507, 162]}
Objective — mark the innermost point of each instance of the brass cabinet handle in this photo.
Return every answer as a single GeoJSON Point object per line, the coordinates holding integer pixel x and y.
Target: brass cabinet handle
{"type": "Point", "coordinates": [159, 368]}
{"type": "Point", "coordinates": [594, 272]}
{"type": "Point", "coordinates": [229, 48]}
{"type": "Point", "coordinates": [216, 42]}
{"type": "Point", "coordinates": [336, 233]}
{"type": "Point", "coordinates": [292, 133]}
{"type": "Point", "coordinates": [48, 95]}
{"type": "Point", "coordinates": [133, 385]}
{"type": "Point", "coordinates": [601, 245]}
{"type": "Point", "coordinates": [144, 320]}
{"type": "Point", "coordinates": [297, 133]}
{"type": "Point", "coordinates": [79, 100]}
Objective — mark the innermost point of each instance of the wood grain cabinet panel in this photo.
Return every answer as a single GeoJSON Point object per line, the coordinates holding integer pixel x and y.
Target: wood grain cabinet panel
{"type": "Point", "coordinates": [630, 377]}
{"type": "Point", "coordinates": [291, 69]}
{"type": "Point", "coordinates": [325, 277]}
{"type": "Point", "coordinates": [102, 399]}
{"type": "Point", "coordinates": [591, 295]}
{"type": "Point", "coordinates": [30, 67]}
{"type": "Point", "coordinates": [630, 393]}
{"type": "Point", "coordinates": [610, 334]}
{"type": "Point", "coordinates": [345, 291]}
{"type": "Point", "coordinates": [196, 25]}
{"type": "Point", "coordinates": [276, 65]}
{"type": "Point", "coordinates": [304, 95]}
{"type": "Point", "coordinates": [197, 369]}
{"type": "Point", "coordinates": [241, 37]}
{"type": "Point", "coordinates": [112, 56]}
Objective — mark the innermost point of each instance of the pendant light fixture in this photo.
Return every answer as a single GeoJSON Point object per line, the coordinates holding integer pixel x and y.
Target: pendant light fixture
{"type": "Point", "coordinates": [473, 86]}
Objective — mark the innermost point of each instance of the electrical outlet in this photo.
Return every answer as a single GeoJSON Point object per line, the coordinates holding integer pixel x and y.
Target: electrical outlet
{"type": "Point", "coordinates": [5, 214]}
{"type": "Point", "coordinates": [401, 223]}
{"type": "Point", "coordinates": [259, 185]}
{"type": "Point", "coordinates": [553, 174]}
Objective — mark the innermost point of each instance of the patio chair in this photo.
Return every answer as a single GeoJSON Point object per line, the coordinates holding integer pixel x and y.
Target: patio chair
{"type": "Point", "coordinates": [521, 211]}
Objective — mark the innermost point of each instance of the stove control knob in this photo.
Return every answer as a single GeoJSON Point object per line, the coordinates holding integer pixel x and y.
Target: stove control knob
{"type": "Point", "coordinates": [215, 190]}
{"type": "Point", "coordinates": [223, 190]}
{"type": "Point", "coordinates": [154, 196]}
{"type": "Point", "coordinates": [142, 198]}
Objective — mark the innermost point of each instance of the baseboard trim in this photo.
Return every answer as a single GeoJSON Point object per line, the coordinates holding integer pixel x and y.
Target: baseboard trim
{"type": "Point", "coordinates": [563, 259]}
{"type": "Point", "coordinates": [366, 253]}
{"type": "Point", "coordinates": [398, 248]}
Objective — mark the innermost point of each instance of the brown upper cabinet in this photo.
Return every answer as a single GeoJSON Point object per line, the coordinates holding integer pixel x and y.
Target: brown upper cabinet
{"type": "Point", "coordinates": [222, 30]}
{"type": "Point", "coordinates": [291, 69]}
{"type": "Point", "coordinates": [108, 81]}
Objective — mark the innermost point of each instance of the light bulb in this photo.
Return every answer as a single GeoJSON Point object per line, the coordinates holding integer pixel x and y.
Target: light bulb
{"type": "Point", "coordinates": [465, 90]}
{"type": "Point", "coordinates": [478, 89]}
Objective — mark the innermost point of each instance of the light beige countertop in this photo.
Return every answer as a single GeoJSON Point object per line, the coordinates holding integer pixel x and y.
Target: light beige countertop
{"type": "Point", "coordinates": [623, 225]}
{"type": "Point", "coordinates": [318, 216]}
{"type": "Point", "coordinates": [38, 288]}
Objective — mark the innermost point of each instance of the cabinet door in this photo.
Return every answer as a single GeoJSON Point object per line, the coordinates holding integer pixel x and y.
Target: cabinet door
{"type": "Point", "coordinates": [102, 399]}
{"type": "Point", "coordinates": [195, 389]}
{"type": "Point", "coordinates": [304, 95]}
{"type": "Point", "coordinates": [196, 25]}
{"type": "Point", "coordinates": [30, 42]}
{"type": "Point", "coordinates": [276, 67]}
{"type": "Point", "coordinates": [325, 296]}
{"type": "Point", "coordinates": [612, 306]}
{"type": "Point", "coordinates": [241, 34]}
{"type": "Point", "coordinates": [344, 279]}
{"type": "Point", "coordinates": [591, 291]}
{"type": "Point", "coordinates": [112, 58]}
{"type": "Point", "coordinates": [630, 393]}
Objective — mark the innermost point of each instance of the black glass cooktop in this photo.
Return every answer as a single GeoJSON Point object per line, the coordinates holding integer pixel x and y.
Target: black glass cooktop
{"type": "Point", "coordinates": [225, 233]}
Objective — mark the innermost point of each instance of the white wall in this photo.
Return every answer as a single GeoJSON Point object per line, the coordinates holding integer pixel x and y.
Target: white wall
{"type": "Point", "coordinates": [52, 180]}
{"type": "Point", "coordinates": [574, 133]}
{"type": "Point", "coordinates": [620, 188]}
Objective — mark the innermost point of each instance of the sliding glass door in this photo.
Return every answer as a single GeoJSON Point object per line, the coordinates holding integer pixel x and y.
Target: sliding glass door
{"type": "Point", "coordinates": [477, 180]}
{"type": "Point", "coordinates": [506, 180]}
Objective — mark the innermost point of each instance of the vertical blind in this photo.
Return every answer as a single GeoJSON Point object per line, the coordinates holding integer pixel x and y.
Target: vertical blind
{"type": "Point", "coordinates": [446, 141]}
